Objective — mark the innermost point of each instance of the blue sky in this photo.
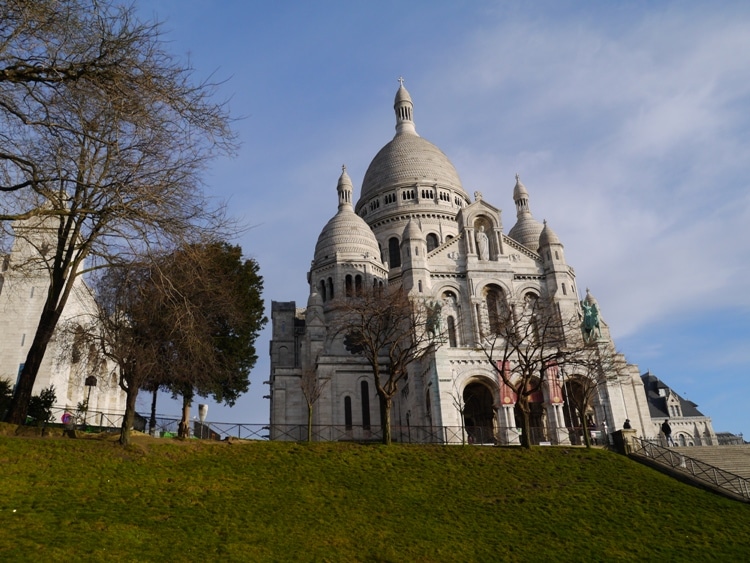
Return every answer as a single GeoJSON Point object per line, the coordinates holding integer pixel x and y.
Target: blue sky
{"type": "Point", "coordinates": [628, 122]}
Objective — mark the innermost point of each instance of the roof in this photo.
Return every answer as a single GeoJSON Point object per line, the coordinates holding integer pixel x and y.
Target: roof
{"type": "Point", "coordinates": [657, 403]}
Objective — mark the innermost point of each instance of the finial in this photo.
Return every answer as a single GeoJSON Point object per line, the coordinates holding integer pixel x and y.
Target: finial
{"type": "Point", "coordinates": [518, 177]}
{"type": "Point", "coordinates": [343, 168]}
{"type": "Point", "coordinates": [545, 222]}
{"type": "Point", "coordinates": [401, 81]}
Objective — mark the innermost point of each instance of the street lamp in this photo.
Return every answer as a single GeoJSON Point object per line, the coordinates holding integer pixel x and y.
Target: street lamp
{"type": "Point", "coordinates": [202, 412]}
{"type": "Point", "coordinates": [90, 382]}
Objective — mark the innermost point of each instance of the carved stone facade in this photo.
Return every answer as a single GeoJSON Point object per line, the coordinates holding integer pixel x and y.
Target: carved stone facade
{"type": "Point", "coordinates": [415, 225]}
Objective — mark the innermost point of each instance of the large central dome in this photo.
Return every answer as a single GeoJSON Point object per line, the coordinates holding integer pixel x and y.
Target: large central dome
{"type": "Point", "coordinates": [408, 161]}
{"type": "Point", "coordinates": [409, 158]}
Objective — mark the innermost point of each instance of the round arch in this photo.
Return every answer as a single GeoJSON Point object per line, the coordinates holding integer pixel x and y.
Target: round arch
{"type": "Point", "coordinates": [478, 412]}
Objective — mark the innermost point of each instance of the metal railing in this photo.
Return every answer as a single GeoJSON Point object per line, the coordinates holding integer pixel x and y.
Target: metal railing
{"type": "Point", "coordinates": [167, 427]}
{"type": "Point", "coordinates": [699, 470]}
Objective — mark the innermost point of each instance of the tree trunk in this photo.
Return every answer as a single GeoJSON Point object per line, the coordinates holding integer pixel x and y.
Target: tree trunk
{"type": "Point", "coordinates": [309, 422]}
{"type": "Point", "coordinates": [184, 428]}
{"type": "Point", "coordinates": [525, 425]}
{"type": "Point", "coordinates": [152, 421]}
{"type": "Point", "coordinates": [19, 404]}
{"type": "Point", "coordinates": [131, 393]}
{"type": "Point", "coordinates": [387, 403]}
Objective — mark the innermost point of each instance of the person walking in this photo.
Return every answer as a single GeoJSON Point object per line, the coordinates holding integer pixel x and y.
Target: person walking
{"type": "Point", "coordinates": [667, 429]}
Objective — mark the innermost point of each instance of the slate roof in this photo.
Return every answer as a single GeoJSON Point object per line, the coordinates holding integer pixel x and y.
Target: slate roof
{"type": "Point", "coordinates": [657, 405]}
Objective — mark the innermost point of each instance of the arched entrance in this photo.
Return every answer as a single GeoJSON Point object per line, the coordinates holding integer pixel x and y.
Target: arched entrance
{"type": "Point", "coordinates": [580, 394]}
{"type": "Point", "coordinates": [537, 416]}
{"type": "Point", "coordinates": [479, 413]}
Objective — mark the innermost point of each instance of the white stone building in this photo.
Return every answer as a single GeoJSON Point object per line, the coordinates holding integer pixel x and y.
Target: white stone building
{"type": "Point", "coordinates": [414, 224]}
{"type": "Point", "coordinates": [23, 289]}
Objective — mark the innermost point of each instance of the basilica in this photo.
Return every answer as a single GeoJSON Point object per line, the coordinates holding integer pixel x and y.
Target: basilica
{"type": "Point", "coordinates": [415, 225]}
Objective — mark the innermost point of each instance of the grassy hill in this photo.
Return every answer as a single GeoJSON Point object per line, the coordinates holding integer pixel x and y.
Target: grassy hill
{"type": "Point", "coordinates": [91, 500]}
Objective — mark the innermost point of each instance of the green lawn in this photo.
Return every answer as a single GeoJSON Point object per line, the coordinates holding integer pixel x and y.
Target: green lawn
{"type": "Point", "coordinates": [166, 500]}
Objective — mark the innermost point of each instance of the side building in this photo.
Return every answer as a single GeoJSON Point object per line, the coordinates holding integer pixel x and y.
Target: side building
{"type": "Point", "coordinates": [75, 375]}
{"type": "Point", "coordinates": [416, 226]}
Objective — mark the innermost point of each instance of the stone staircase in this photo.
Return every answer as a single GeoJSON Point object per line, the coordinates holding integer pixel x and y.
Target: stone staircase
{"type": "Point", "coordinates": [735, 459]}
{"type": "Point", "coordinates": [724, 469]}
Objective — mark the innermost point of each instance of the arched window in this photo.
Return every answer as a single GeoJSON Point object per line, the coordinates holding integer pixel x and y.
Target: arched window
{"type": "Point", "coordinates": [365, 389]}
{"type": "Point", "coordinates": [496, 309]}
{"type": "Point", "coordinates": [394, 252]}
{"type": "Point", "coordinates": [348, 413]}
{"type": "Point", "coordinates": [432, 242]}
{"type": "Point", "coordinates": [349, 287]}
{"type": "Point", "coordinates": [330, 288]}
{"type": "Point", "coordinates": [452, 333]}
{"type": "Point", "coordinates": [358, 286]}
{"type": "Point", "coordinates": [531, 310]}
{"type": "Point", "coordinates": [322, 286]}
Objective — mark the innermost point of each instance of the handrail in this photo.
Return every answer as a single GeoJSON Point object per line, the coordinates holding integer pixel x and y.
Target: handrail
{"type": "Point", "coordinates": [700, 470]}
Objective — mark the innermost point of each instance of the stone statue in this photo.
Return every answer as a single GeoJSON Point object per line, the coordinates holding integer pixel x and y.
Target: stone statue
{"type": "Point", "coordinates": [483, 244]}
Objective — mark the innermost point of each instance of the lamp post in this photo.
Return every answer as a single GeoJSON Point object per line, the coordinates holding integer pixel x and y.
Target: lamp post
{"type": "Point", "coordinates": [90, 382]}
{"type": "Point", "coordinates": [202, 412]}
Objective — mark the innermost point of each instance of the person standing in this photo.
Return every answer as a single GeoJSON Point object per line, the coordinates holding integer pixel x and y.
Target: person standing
{"type": "Point", "coordinates": [667, 429]}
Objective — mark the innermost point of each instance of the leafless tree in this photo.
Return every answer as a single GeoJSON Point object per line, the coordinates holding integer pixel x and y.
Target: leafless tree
{"type": "Point", "coordinates": [392, 331]}
{"type": "Point", "coordinates": [589, 369]}
{"type": "Point", "coordinates": [524, 342]}
{"type": "Point", "coordinates": [103, 139]}
{"type": "Point", "coordinates": [312, 388]}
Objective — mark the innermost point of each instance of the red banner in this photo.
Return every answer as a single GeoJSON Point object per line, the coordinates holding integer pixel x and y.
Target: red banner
{"type": "Point", "coordinates": [507, 395]}
{"type": "Point", "coordinates": [554, 382]}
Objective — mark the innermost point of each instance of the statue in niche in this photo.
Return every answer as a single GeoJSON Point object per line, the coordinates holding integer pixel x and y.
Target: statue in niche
{"type": "Point", "coordinates": [483, 244]}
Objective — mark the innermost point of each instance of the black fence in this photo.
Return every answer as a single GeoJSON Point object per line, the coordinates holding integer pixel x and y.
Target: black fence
{"type": "Point", "coordinates": [167, 427]}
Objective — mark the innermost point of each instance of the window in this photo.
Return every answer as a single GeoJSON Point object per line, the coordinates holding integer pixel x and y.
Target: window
{"type": "Point", "coordinates": [348, 413]}
{"type": "Point", "coordinates": [330, 288]}
{"type": "Point", "coordinates": [348, 287]}
{"type": "Point", "coordinates": [496, 310]}
{"type": "Point", "coordinates": [365, 389]}
{"type": "Point", "coordinates": [358, 286]}
{"type": "Point", "coordinates": [323, 290]}
{"type": "Point", "coordinates": [452, 333]}
{"type": "Point", "coordinates": [432, 242]}
{"type": "Point", "coordinates": [394, 253]}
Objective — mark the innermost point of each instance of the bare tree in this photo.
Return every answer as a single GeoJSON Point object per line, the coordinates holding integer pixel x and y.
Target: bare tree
{"type": "Point", "coordinates": [103, 138]}
{"type": "Point", "coordinates": [312, 388]}
{"type": "Point", "coordinates": [589, 370]}
{"type": "Point", "coordinates": [525, 342]}
{"type": "Point", "coordinates": [116, 335]}
{"type": "Point", "coordinates": [392, 331]}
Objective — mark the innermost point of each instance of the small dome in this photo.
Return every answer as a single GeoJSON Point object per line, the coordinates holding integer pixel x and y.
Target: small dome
{"type": "Point", "coordinates": [548, 236]}
{"type": "Point", "coordinates": [412, 231]}
{"type": "Point", "coordinates": [527, 231]}
{"type": "Point", "coordinates": [402, 95]}
{"type": "Point", "coordinates": [590, 299]}
{"type": "Point", "coordinates": [519, 191]}
{"type": "Point", "coordinates": [346, 233]}
{"type": "Point", "coordinates": [314, 300]}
